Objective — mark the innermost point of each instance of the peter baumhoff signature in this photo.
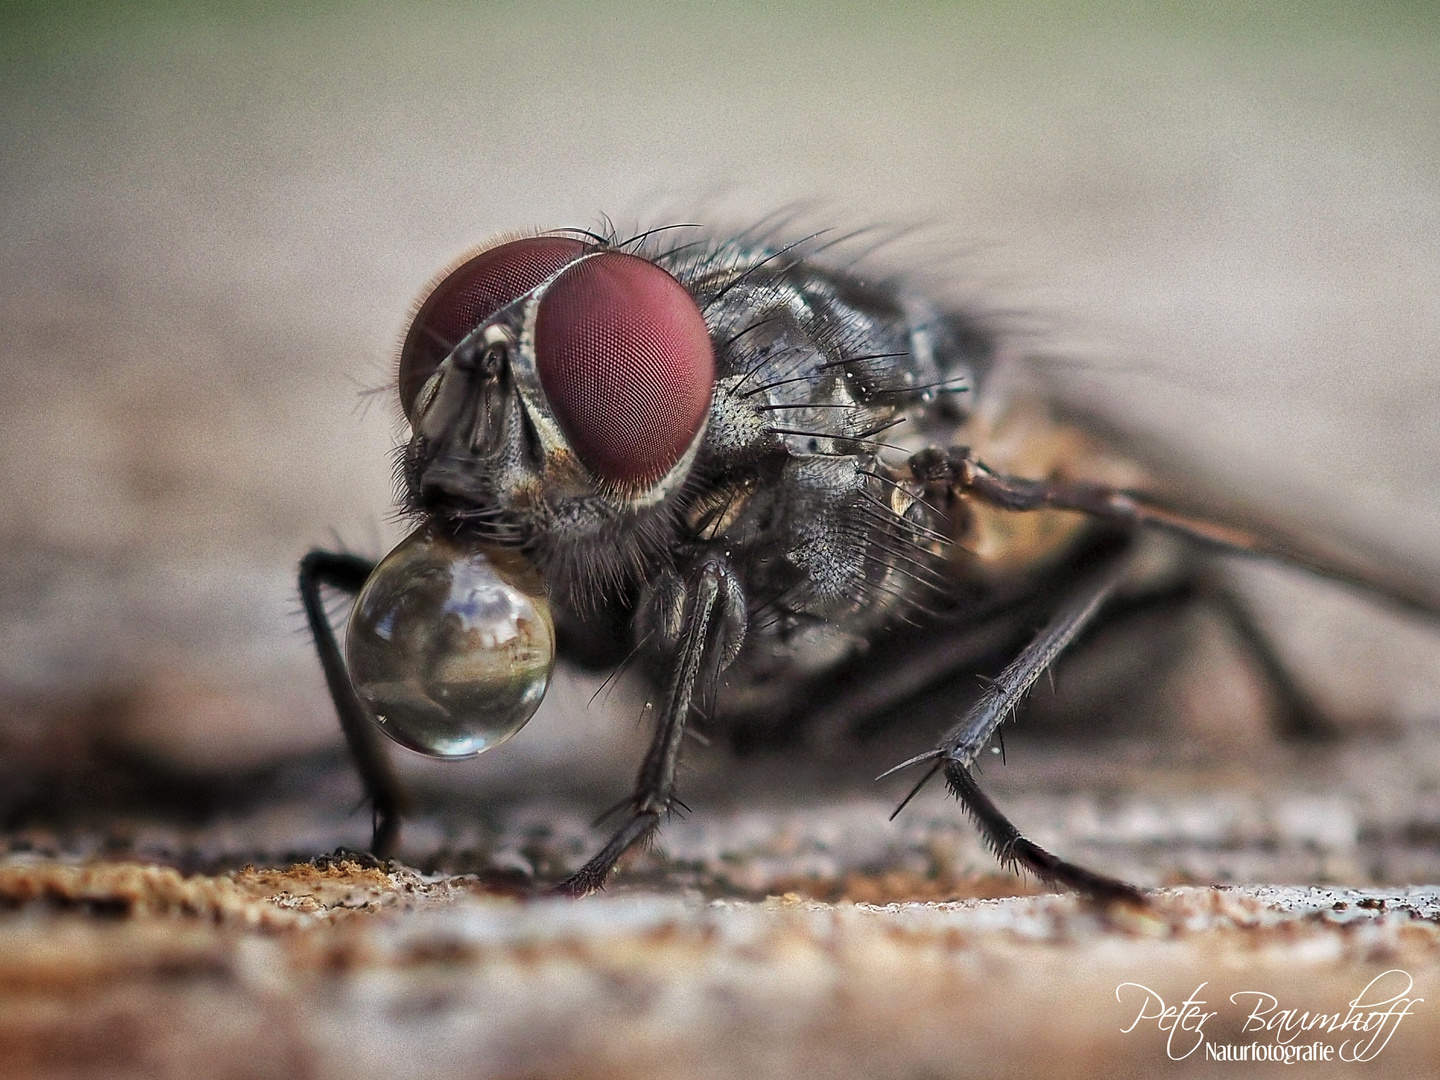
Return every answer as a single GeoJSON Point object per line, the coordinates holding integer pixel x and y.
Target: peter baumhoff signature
{"type": "Point", "coordinates": [1364, 1028]}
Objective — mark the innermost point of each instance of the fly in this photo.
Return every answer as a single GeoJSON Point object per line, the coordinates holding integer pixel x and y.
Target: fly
{"type": "Point", "coordinates": [751, 471]}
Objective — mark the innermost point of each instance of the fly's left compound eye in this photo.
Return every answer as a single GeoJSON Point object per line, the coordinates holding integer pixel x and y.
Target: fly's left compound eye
{"type": "Point", "coordinates": [469, 295]}
{"type": "Point", "coordinates": [627, 365]}
{"type": "Point", "coordinates": [450, 647]}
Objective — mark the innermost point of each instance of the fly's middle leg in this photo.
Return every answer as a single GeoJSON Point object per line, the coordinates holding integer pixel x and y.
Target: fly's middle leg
{"type": "Point", "coordinates": [1298, 717]}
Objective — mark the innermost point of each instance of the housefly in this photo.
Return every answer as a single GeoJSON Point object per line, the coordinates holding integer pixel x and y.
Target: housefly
{"type": "Point", "coordinates": [752, 472]}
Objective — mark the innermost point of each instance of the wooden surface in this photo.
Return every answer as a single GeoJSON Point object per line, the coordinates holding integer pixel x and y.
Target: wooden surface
{"type": "Point", "coordinates": [781, 929]}
{"type": "Point", "coordinates": [768, 940]}
{"type": "Point", "coordinates": [354, 972]}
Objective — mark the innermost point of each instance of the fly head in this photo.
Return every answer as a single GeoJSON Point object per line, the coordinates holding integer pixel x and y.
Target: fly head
{"type": "Point", "coordinates": [557, 391]}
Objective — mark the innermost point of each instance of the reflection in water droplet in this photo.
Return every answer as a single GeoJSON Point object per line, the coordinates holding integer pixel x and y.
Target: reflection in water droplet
{"type": "Point", "coordinates": [451, 647]}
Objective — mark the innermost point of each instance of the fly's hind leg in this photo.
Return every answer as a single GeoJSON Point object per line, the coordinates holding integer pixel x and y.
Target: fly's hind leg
{"type": "Point", "coordinates": [1195, 585]}
{"type": "Point", "coordinates": [1298, 717]}
{"type": "Point", "coordinates": [951, 473]}
{"type": "Point", "coordinates": [917, 664]}
{"type": "Point", "coordinates": [957, 751]}
{"type": "Point", "coordinates": [954, 472]}
{"type": "Point", "coordinates": [347, 574]}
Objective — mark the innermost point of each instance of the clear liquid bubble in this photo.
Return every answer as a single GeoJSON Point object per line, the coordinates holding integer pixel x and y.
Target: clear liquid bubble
{"type": "Point", "coordinates": [451, 646]}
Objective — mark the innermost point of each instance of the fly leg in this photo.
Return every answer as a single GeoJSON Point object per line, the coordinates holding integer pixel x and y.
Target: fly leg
{"type": "Point", "coordinates": [1299, 718]}
{"type": "Point", "coordinates": [706, 618]}
{"type": "Point", "coordinates": [957, 752]}
{"type": "Point", "coordinates": [347, 573]}
{"type": "Point", "coordinates": [1198, 586]}
{"type": "Point", "coordinates": [962, 744]}
{"type": "Point", "coordinates": [886, 686]}
{"type": "Point", "coordinates": [983, 645]}
{"type": "Point", "coordinates": [947, 473]}
{"type": "Point", "coordinates": [950, 472]}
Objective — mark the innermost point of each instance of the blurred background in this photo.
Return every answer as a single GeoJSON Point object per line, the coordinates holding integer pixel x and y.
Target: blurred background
{"type": "Point", "coordinates": [1221, 222]}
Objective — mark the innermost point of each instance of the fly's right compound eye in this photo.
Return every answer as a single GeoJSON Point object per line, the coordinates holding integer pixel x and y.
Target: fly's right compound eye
{"type": "Point", "coordinates": [451, 647]}
{"type": "Point", "coordinates": [469, 295]}
{"type": "Point", "coordinates": [627, 365]}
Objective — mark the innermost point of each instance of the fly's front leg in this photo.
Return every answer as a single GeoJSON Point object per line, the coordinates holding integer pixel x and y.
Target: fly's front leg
{"type": "Point", "coordinates": [699, 619]}
{"type": "Point", "coordinates": [347, 573]}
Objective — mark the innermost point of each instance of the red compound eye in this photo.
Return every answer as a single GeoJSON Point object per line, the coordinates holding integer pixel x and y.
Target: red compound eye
{"type": "Point", "coordinates": [626, 362]}
{"type": "Point", "coordinates": [470, 295]}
